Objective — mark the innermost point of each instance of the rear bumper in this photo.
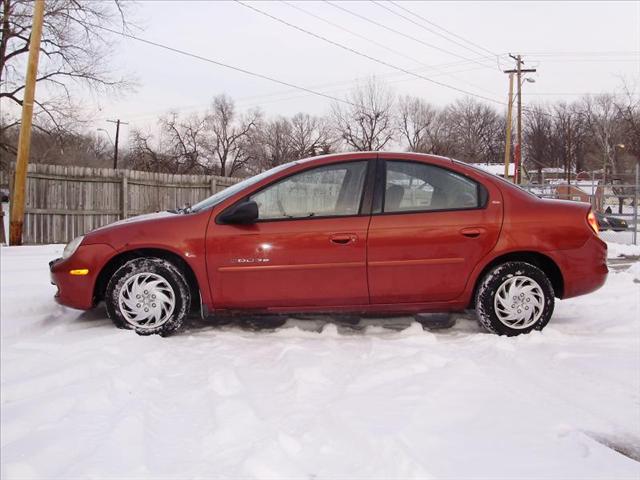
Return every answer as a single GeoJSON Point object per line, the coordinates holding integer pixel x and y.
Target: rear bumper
{"type": "Point", "coordinates": [584, 269]}
{"type": "Point", "coordinates": [77, 291]}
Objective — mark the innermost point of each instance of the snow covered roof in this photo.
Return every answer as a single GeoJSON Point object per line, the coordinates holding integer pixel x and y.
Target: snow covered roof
{"type": "Point", "coordinates": [587, 186]}
{"type": "Point", "coordinates": [494, 168]}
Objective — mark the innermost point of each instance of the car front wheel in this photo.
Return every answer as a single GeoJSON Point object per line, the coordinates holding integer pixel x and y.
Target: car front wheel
{"type": "Point", "coordinates": [514, 298]}
{"type": "Point", "coordinates": [148, 295]}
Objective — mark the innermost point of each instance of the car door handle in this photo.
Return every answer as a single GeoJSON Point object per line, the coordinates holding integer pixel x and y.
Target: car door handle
{"type": "Point", "coordinates": [472, 232]}
{"type": "Point", "coordinates": [343, 238]}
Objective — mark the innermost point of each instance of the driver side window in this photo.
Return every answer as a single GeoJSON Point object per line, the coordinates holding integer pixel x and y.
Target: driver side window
{"type": "Point", "coordinates": [332, 190]}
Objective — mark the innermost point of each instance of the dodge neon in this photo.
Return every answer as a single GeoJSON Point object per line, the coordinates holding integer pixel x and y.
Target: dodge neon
{"type": "Point", "coordinates": [396, 233]}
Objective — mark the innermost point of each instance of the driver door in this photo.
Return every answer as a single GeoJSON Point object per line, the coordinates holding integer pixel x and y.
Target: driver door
{"type": "Point", "coordinates": [307, 248]}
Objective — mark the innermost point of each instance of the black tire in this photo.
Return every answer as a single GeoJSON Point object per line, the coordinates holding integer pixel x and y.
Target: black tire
{"type": "Point", "coordinates": [491, 283]}
{"type": "Point", "coordinates": [168, 272]}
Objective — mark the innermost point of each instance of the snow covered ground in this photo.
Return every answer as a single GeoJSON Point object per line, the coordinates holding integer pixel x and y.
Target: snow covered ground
{"type": "Point", "coordinates": [616, 250]}
{"type": "Point", "coordinates": [81, 399]}
{"type": "Point", "coordinates": [625, 237]}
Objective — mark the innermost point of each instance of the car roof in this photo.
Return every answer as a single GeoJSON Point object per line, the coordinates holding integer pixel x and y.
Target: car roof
{"type": "Point", "coordinates": [341, 157]}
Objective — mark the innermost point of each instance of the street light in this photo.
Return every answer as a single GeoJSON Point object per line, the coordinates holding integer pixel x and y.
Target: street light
{"type": "Point", "coordinates": [115, 146]}
{"type": "Point", "coordinates": [105, 131]}
{"type": "Point", "coordinates": [615, 158]}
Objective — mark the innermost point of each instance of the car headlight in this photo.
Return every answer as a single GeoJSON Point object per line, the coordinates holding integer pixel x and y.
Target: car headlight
{"type": "Point", "coordinates": [72, 246]}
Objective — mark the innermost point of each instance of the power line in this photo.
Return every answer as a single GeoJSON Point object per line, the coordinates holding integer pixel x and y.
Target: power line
{"type": "Point", "coordinates": [220, 64]}
{"type": "Point", "coordinates": [324, 86]}
{"type": "Point", "coordinates": [397, 32]}
{"type": "Point", "coordinates": [291, 85]}
{"type": "Point", "coordinates": [559, 93]}
{"type": "Point", "coordinates": [397, 14]}
{"type": "Point", "coordinates": [335, 91]}
{"type": "Point", "coordinates": [364, 37]}
{"type": "Point", "coordinates": [381, 75]}
{"type": "Point", "coordinates": [442, 28]}
{"type": "Point", "coordinates": [584, 53]}
{"type": "Point", "coordinates": [590, 60]}
{"type": "Point", "coordinates": [364, 55]}
{"type": "Point", "coordinates": [281, 82]}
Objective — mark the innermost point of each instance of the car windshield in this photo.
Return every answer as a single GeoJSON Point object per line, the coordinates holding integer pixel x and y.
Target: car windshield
{"type": "Point", "coordinates": [233, 189]}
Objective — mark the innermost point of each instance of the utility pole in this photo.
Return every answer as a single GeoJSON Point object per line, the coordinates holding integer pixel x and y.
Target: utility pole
{"type": "Point", "coordinates": [569, 148]}
{"type": "Point", "coordinates": [635, 203]}
{"type": "Point", "coordinates": [115, 146]}
{"type": "Point", "coordinates": [519, 71]}
{"type": "Point", "coordinates": [507, 148]}
{"type": "Point", "coordinates": [24, 139]}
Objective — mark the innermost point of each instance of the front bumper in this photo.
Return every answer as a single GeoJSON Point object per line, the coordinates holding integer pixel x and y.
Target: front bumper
{"type": "Point", "coordinates": [77, 291]}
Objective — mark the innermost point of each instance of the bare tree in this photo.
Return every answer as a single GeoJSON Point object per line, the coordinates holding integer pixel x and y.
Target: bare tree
{"type": "Point", "coordinates": [476, 130]}
{"type": "Point", "coordinates": [143, 156]}
{"type": "Point", "coordinates": [628, 115]}
{"type": "Point", "coordinates": [185, 142]}
{"type": "Point", "coordinates": [86, 149]}
{"type": "Point", "coordinates": [367, 122]}
{"type": "Point", "coordinates": [607, 130]}
{"type": "Point", "coordinates": [419, 125]}
{"type": "Point", "coordinates": [74, 52]}
{"type": "Point", "coordinates": [273, 143]}
{"type": "Point", "coordinates": [569, 135]}
{"type": "Point", "coordinates": [230, 132]}
{"type": "Point", "coordinates": [537, 144]}
{"type": "Point", "coordinates": [601, 116]}
{"type": "Point", "coordinates": [628, 107]}
{"type": "Point", "coordinates": [310, 136]}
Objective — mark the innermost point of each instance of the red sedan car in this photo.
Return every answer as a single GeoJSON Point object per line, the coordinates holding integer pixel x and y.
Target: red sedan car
{"type": "Point", "coordinates": [358, 232]}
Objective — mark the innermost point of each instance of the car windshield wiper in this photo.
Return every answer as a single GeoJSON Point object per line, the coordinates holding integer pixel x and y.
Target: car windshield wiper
{"type": "Point", "coordinates": [183, 209]}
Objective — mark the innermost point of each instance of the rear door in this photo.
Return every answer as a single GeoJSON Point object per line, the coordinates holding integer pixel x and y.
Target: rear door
{"type": "Point", "coordinates": [429, 229]}
{"type": "Point", "coordinates": [308, 247]}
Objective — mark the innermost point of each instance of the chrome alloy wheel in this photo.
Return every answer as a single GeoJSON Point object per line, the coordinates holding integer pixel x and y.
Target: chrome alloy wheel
{"type": "Point", "coordinates": [146, 300]}
{"type": "Point", "coordinates": [519, 302]}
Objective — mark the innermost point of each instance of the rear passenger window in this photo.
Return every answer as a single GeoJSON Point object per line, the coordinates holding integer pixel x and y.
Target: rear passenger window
{"type": "Point", "coordinates": [412, 186]}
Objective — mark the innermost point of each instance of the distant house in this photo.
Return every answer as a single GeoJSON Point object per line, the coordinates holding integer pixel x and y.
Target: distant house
{"type": "Point", "coordinates": [582, 191]}
{"type": "Point", "coordinates": [495, 168]}
{"type": "Point", "coordinates": [553, 173]}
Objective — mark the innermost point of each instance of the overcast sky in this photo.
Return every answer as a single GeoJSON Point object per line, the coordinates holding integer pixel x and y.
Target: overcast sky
{"type": "Point", "coordinates": [577, 47]}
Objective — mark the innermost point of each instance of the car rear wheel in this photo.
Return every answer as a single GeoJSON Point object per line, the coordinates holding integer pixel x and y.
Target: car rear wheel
{"type": "Point", "coordinates": [148, 295]}
{"type": "Point", "coordinates": [514, 298]}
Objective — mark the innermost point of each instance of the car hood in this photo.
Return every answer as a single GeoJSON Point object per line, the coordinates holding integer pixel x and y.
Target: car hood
{"type": "Point", "coordinates": [137, 219]}
{"type": "Point", "coordinates": [173, 231]}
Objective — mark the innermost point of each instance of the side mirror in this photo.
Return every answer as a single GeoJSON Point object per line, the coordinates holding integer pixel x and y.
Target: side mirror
{"type": "Point", "coordinates": [241, 214]}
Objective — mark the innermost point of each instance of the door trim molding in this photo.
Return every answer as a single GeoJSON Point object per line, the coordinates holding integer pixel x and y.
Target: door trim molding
{"type": "Point", "coordinates": [420, 261]}
{"type": "Point", "coordinates": [303, 266]}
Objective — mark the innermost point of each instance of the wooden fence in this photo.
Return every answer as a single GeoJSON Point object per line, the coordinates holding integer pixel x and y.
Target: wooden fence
{"type": "Point", "coordinates": [63, 202]}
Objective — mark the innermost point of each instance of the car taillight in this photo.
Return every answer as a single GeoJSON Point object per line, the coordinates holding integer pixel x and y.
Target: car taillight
{"type": "Point", "coordinates": [591, 220]}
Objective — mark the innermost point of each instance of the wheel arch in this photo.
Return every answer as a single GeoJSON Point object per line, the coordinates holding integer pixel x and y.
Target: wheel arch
{"type": "Point", "coordinates": [543, 262]}
{"type": "Point", "coordinates": [123, 257]}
